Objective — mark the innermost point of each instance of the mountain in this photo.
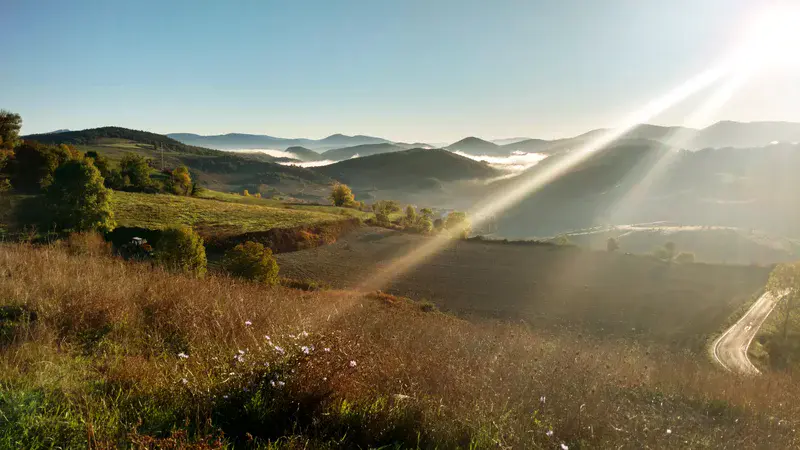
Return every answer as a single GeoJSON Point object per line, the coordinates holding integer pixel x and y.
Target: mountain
{"type": "Point", "coordinates": [64, 130]}
{"type": "Point", "coordinates": [475, 146]}
{"type": "Point", "coordinates": [304, 154]}
{"type": "Point", "coordinates": [413, 169]}
{"type": "Point", "coordinates": [340, 154]}
{"type": "Point", "coordinates": [105, 135]}
{"type": "Point", "coordinates": [236, 141]}
{"type": "Point", "coordinates": [743, 135]}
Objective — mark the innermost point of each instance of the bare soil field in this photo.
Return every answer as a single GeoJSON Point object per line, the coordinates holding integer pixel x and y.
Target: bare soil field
{"type": "Point", "coordinates": [547, 286]}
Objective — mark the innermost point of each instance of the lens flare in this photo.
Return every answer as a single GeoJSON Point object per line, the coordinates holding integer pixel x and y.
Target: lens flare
{"type": "Point", "coordinates": [527, 184]}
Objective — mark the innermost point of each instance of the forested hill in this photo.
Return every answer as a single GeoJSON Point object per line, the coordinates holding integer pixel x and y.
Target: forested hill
{"type": "Point", "coordinates": [110, 134]}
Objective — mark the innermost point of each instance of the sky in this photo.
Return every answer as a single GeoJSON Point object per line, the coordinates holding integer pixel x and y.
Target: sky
{"type": "Point", "coordinates": [412, 70]}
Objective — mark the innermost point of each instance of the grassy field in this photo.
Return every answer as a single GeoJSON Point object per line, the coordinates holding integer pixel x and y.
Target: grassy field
{"type": "Point", "coordinates": [547, 286]}
{"type": "Point", "coordinates": [156, 211]}
{"type": "Point", "coordinates": [99, 353]}
{"type": "Point", "coordinates": [327, 209]}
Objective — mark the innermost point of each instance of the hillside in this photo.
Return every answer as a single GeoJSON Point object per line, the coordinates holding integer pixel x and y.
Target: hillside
{"type": "Point", "coordinates": [304, 154]}
{"type": "Point", "coordinates": [410, 169]}
{"type": "Point", "coordinates": [110, 135]}
{"type": "Point", "coordinates": [256, 141]}
{"type": "Point", "coordinates": [475, 146]}
{"type": "Point", "coordinates": [340, 154]}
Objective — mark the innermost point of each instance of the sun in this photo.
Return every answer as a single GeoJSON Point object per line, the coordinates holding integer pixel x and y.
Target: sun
{"type": "Point", "coordinates": [772, 38]}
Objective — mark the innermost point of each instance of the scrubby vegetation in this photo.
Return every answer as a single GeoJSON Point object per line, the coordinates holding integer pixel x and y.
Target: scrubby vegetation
{"type": "Point", "coordinates": [252, 261]}
{"type": "Point", "coordinates": [181, 249]}
{"type": "Point", "coordinates": [101, 353]}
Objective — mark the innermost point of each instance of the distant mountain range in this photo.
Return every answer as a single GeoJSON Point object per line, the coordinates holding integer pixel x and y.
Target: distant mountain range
{"type": "Point", "coordinates": [237, 141]}
{"type": "Point", "coordinates": [720, 135]}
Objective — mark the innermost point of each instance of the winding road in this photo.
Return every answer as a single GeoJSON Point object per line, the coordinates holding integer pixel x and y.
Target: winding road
{"type": "Point", "coordinates": [730, 349]}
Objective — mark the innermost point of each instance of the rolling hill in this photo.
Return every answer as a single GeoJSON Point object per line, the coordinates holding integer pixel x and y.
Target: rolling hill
{"type": "Point", "coordinates": [214, 169]}
{"type": "Point", "coordinates": [476, 146]}
{"type": "Point", "coordinates": [410, 169]}
{"type": "Point", "coordinates": [340, 154]}
{"type": "Point", "coordinates": [257, 141]}
{"type": "Point", "coordinates": [304, 154]}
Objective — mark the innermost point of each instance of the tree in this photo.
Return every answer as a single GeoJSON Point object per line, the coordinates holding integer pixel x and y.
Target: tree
{"type": "Point", "coordinates": [411, 216]}
{"type": "Point", "coordinates": [10, 125]}
{"type": "Point", "coordinates": [252, 261]}
{"type": "Point", "coordinates": [180, 182]}
{"type": "Point", "coordinates": [78, 200]}
{"type": "Point", "coordinates": [135, 171]}
{"type": "Point", "coordinates": [784, 284]}
{"type": "Point", "coordinates": [424, 225]}
{"type": "Point", "coordinates": [384, 209]}
{"type": "Point", "coordinates": [684, 258]}
{"type": "Point", "coordinates": [458, 224]}
{"type": "Point", "coordinates": [426, 213]}
{"type": "Point", "coordinates": [612, 245]}
{"type": "Point", "coordinates": [181, 249]}
{"type": "Point", "coordinates": [101, 162]}
{"type": "Point", "coordinates": [341, 195]}
{"type": "Point", "coordinates": [34, 165]}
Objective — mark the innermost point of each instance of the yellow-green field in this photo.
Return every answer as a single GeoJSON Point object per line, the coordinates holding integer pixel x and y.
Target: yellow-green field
{"type": "Point", "coordinates": [157, 211]}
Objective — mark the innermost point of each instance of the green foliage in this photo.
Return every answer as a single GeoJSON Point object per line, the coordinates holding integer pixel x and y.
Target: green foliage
{"type": "Point", "coordinates": [179, 182]}
{"type": "Point", "coordinates": [612, 245]}
{"type": "Point", "coordinates": [424, 225]}
{"type": "Point", "coordinates": [252, 261]}
{"type": "Point", "coordinates": [10, 124]}
{"type": "Point", "coordinates": [135, 172]}
{"type": "Point", "coordinates": [438, 224]}
{"type": "Point", "coordinates": [426, 213]}
{"type": "Point", "coordinates": [101, 162]}
{"type": "Point", "coordinates": [181, 249]}
{"type": "Point", "coordinates": [77, 199]}
{"type": "Point", "coordinates": [383, 209]}
{"type": "Point", "coordinates": [34, 165]}
{"type": "Point", "coordinates": [342, 195]}
{"type": "Point", "coordinates": [458, 224]}
{"type": "Point", "coordinates": [411, 216]}
{"type": "Point", "coordinates": [684, 258]}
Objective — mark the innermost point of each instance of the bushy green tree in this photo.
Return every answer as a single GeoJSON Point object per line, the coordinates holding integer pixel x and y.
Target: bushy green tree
{"type": "Point", "coordinates": [34, 165]}
{"type": "Point", "coordinates": [252, 261]}
{"type": "Point", "coordinates": [411, 216]}
{"type": "Point", "coordinates": [426, 213]}
{"type": "Point", "coordinates": [180, 182]}
{"type": "Point", "coordinates": [181, 249]}
{"type": "Point", "coordinates": [135, 171]}
{"type": "Point", "coordinates": [424, 225]}
{"type": "Point", "coordinates": [458, 224]}
{"type": "Point", "coordinates": [10, 125]}
{"type": "Point", "coordinates": [77, 200]}
{"type": "Point", "coordinates": [342, 195]}
{"type": "Point", "coordinates": [383, 209]}
{"type": "Point", "coordinates": [101, 162]}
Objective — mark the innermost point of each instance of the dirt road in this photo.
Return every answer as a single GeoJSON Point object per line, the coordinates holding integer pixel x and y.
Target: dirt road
{"type": "Point", "coordinates": [730, 349]}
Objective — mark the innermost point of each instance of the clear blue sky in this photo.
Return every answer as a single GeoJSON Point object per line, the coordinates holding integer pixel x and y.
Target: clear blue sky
{"type": "Point", "coordinates": [415, 70]}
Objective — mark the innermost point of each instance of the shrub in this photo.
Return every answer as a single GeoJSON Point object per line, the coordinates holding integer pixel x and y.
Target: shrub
{"type": "Point", "coordinates": [424, 225]}
{"type": "Point", "coordinates": [612, 245]}
{"type": "Point", "coordinates": [342, 195]}
{"type": "Point", "coordinates": [383, 209]}
{"type": "Point", "coordinates": [181, 249]}
{"type": "Point", "coordinates": [457, 223]}
{"type": "Point", "coordinates": [179, 182]}
{"type": "Point", "coordinates": [252, 261]}
{"type": "Point", "coordinates": [78, 200]}
{"type": "Point", "coordinates": [135, 171]}
{"type": "Point", "coordinates": [89, 243]}
{"type": "Point", "coordinates": [411, 216]}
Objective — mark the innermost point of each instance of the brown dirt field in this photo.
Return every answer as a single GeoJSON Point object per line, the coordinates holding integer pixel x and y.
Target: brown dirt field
{"type": "Point", "coordinates": [546, 286]}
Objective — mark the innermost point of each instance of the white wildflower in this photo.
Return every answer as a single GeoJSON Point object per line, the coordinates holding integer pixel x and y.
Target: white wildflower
{"type": "Point", "coordinates": [183, 355]}
{"type": "Point", "coordinates": [304, 334]}
{"type": "Point", "coordinates": [184, 381]}
{"type": "Point", "coordinates": [327, 349]}
{"type": "Point", "coordinates": [549, 433]}
{"type": "Point", "coordinates": [305, 350]}
{"type": "Point", "coordinates": [542, 399]}
{"type": "Point", "coordinates": [279, 350]}
{"type": "Point", "coordinates": [267, 337]}
{"type": "Point", "coordinates": [247, 323]}
{"type": "Point", "coordinates": [564, 447]}
{"type": "Point", "coordinates": [669, 431]}
{"type": "Point", "coordinates": [352, 363]}
{"type": "Point", "coordinates": [241, 352]}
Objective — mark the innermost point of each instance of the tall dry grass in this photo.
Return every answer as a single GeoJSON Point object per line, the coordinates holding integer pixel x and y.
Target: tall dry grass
{"type": "Point", "coordinates": [140, 355]}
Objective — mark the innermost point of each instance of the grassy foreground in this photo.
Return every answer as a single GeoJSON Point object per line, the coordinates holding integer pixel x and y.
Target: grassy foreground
{"type": "Point", "coordinates": [100, 353]}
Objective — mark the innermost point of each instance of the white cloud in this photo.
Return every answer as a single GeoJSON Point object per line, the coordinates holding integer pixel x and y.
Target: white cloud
{"type": "Point", "coordinates": [269, 151]}
{"type": "Point", "coordinates": [324, 162]}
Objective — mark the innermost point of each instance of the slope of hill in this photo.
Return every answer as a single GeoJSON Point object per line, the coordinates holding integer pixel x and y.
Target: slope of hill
{"type": "Point", "coordinates": [214, 169]}
{"type": "Point", "coordinates": [340, 154]}
{"type": "Point", "coordinates": [110, 135]}
{"type": "Point", "coordinates": [257, 141]}
{"type": "Point", "coordinates": [410, 169]}
{"type": "Point", "coordinates": [743, 135]}
{"type": "Point", "coordinates": [303, 154]}
{"type": "Point", "coordinates": [475, 146]}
